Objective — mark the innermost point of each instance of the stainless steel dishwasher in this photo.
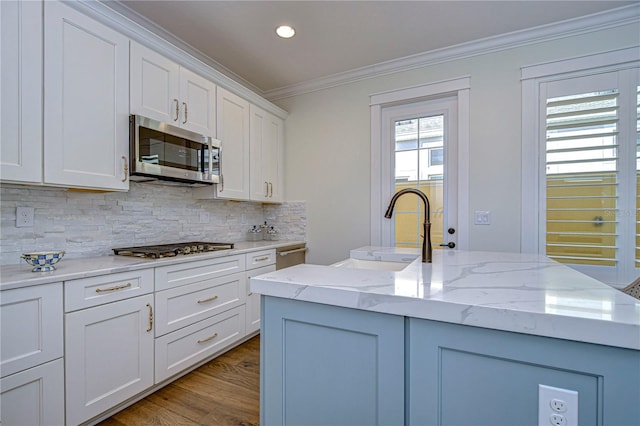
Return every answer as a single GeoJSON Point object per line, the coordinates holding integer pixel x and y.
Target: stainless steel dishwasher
{"type": "Point", "coordinates": [290, 255]}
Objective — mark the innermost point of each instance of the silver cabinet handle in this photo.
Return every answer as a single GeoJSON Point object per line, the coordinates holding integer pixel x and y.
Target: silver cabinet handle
{"type": "Point", "coordinates": [266, 189]}
{"type": "Point", "coordinates": [177, 109]}
{"type": "Point", "coordinates": [210, 299]}
{"type": "Point", "coordinates": [284, 253]}
{"type": "Point", "coordinates": [115, 288]}
{"type": "Point", "coordinates": [208, 338]}
{"type": "Point", "coordinates": [261, 259]}
{"type": "Point", "coordinates": [150, 317]}
{"type": "Point", "coordinates": [125, 169]}
{"type": "Point", "coordinates": [270, 190]}
{"type": "Point", "coordinates": [185, 113]}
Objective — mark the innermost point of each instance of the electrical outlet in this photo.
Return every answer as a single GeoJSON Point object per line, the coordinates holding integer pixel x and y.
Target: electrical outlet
{"type": "Point", "coordinates": [204, 217]}
{"type": "Point", "coordinates": [557, 407]}
{"type": "Point", "coordinates": [24, 217]}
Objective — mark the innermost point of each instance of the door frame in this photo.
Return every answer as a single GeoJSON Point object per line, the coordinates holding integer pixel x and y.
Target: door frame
{"type": "Point", "coordinates": [457, 88]}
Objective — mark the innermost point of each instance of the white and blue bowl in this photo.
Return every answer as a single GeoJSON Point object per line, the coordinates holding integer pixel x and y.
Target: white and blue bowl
{"type": "Point", "coordinates": [43, 260]}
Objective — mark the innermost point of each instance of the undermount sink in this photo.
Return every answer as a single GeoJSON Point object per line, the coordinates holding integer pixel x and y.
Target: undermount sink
{"type": "Point", "coordinates": [379, 265]}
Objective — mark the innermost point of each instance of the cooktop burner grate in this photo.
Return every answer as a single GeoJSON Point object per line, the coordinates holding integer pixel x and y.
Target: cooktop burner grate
{"type": "Point", "coordinates": [170, 250]}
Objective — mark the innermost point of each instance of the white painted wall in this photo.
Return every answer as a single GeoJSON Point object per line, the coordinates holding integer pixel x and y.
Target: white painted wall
{"type": "Point", "coordinates": [327, 153]}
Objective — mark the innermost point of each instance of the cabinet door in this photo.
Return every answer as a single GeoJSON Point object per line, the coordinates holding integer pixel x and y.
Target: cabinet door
{"type": "Point", "coordinates": [34, 397]}
{"type": "Point", "coordinates": [21, 88]}
{"type": "Point", "coordinates": [31, 323]}
{"type": "Point", "coordinates": [266, 156]}
{"type": "Point", "coordinates": [86, 107]}
{"type": "Point", "coordinates": [197, 101]}
{"type": "Point", "coordinates": [253, 299]}
{"type": "Point", "coordinates": [233, 130]}
{"type": "Point", "coordinates": [155, 85]}
{"type": "Point", "coordinates": [108, 357]}
{"type": "Point", "coordinates": [495, 376]}
{"type": "Point", "coordinates": [325, 365]}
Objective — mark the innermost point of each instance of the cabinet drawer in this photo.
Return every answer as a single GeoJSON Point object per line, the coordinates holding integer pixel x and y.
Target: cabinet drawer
{"type": "Point", "coordinates": [187, 273]}
{"type": "Point", "coordinates": [185, 305]}
{"type": "Point", "coordinates": [31, 325]}
{"type": "Point", "coordinates": [262, 258]}
{"type": "Point", "coordinates": [34, 396]}
{"type": "Point", "coordinates": [87, 292]}
{"type": "Point", "coordinates": [181, 349]}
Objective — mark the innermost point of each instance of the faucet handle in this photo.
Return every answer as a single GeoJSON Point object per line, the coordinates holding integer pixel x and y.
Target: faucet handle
{"type": "Point", "coordinates": [450, 244]}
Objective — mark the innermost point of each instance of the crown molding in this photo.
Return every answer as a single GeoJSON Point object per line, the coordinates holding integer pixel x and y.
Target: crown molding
{"type": "Point", "coordinates": [568, 28]}
{"type": "Point", "coordinates": [143, 31]}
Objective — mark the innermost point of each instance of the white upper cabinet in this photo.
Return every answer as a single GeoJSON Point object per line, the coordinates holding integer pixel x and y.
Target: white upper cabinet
{"type": "Point", "coordinates": [233, 131]}
{"type": "Point", "coordinates": [266, 156]}
{"type": "Point", "coordinates": [21, 91]}
{"type": "Point", "coordinates": [86, 103]}
{"type": "Point", "coordinates": [167, 92]}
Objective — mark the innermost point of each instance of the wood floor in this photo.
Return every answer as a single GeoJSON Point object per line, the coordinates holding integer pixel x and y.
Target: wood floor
{"type": "Point", "coordinates": [225, 391]}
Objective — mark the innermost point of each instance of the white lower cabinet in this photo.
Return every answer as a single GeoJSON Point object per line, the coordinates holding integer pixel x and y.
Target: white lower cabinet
{"type": "Point", "coordinates": [31, 365]}
{"type": "Point", "coordinates": [130, 331]}
{"type": "Point", "coordinates": [258, 263]}
{"type": "Point", "coordinates": [253, 300]}
{"type": "Point", "coordinates": [200, 311]}
{"type": "Point", "coordinates": [34, 397]}
{"type": "Point", "coordinates": [109, 356]}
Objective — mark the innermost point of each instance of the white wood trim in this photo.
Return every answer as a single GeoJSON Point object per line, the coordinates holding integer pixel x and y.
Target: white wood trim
{"type": "Point", "coordinates": [616, 58]}
{"type": "Point", "coordinates": [438, 88]}
{"type": "Point", "coordinates": [376, 175]}
{"type": "Point", "coordinates": [458, 87]}
{"type": "Point", "coordinates": [572, 27]}
{"type": "Point", "coordinates": [464, 145]}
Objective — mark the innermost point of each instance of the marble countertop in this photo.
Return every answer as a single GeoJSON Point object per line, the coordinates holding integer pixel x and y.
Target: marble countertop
{"type": "Point", "coordinates": [523, 293]}
{"type": "Point", "coordinates": [15, 276]}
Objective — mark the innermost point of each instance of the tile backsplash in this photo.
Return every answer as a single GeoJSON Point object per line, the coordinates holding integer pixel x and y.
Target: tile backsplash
{"type": "Point", "coordinates": [87, 224]}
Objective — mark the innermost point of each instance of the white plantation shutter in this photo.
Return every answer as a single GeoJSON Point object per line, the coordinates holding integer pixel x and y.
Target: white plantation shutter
{"type": "Point", "coordinates": [582, 177]}
{"type": "Point", "coordinates": [590, 196]}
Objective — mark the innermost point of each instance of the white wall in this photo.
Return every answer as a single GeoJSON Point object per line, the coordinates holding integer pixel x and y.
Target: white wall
{"type": "Point", "coordinates": [327, 153]}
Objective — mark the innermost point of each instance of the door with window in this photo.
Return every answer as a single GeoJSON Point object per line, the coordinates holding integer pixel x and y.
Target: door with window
{"type": "Point", "coordinates": [590, 174]}
{"type": "Point", "coordinates": [421, 150]}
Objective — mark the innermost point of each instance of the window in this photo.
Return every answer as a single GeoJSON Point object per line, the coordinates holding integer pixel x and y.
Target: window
{"type": "Point", "coordinates": [415, 141]}
{"type": "Point", "coordinates": [582, 195]}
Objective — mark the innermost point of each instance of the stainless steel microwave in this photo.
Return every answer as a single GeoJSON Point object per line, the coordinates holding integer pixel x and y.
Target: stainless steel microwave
{"type": "Point", "coordinates": [162, 151]}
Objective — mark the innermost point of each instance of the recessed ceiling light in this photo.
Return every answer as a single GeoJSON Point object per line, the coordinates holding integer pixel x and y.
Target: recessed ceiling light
{"type": "Point", "coordinates": [285, 31]}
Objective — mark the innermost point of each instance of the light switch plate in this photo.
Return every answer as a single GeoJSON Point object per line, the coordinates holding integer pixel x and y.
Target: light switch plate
{"type": "Point", "coordinates": [482, 217]}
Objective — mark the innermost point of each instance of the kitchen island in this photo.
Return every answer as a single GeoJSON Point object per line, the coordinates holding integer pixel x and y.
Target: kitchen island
{"type": "Point", "coordinates": [467, 339]}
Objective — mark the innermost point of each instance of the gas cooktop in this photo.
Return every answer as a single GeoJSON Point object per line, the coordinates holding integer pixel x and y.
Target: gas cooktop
{"type": "Point", "coordinates": [170, 250]}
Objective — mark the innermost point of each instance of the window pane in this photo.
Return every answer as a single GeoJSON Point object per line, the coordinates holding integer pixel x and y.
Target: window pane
{"type": "Point", "coordinates": [582, 178]}
{"type": "Point", "coordinates": [419, 164]}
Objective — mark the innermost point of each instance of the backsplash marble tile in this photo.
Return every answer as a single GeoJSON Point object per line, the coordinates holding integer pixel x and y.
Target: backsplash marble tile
{"type": "Point", "coordinates": [87, 224]}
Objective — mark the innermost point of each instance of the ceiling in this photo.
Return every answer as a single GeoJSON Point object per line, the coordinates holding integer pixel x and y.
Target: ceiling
{"type": "Point", "coordinates": [339, 36]}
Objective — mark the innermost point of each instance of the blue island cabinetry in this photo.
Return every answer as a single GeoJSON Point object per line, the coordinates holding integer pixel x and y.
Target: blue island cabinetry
{"type": "Point", "coordinates": [329, 365]}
